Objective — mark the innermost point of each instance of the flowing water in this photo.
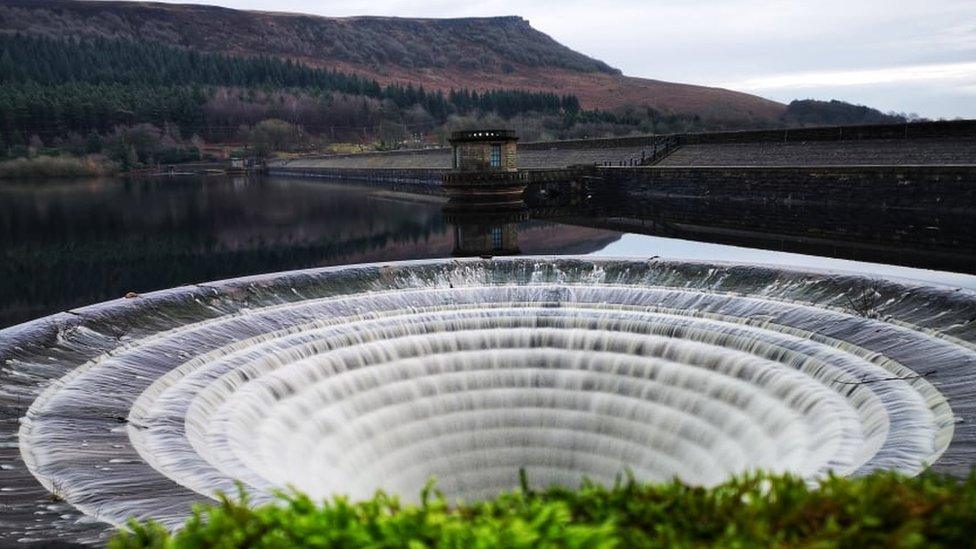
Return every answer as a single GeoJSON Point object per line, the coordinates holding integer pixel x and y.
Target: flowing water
{"type": "Point", "coordinates": [353, 379]}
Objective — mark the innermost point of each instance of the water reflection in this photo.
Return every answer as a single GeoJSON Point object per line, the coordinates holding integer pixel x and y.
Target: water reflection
{"type": "Point", "coordinates": [487, 229]}
{"type": "Point", "coordinates": [639, 245]}
{"type": "Point", "coordinates": [66, 244]}
{"type": "Point", "coordinates": [911, 235]}
{"type": "Point", "coordinates": [69, 244]}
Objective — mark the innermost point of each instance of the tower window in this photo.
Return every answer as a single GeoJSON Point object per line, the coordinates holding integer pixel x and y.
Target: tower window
{"type": "Point", "coordinates": [457, 157]}
{"type": "Point", "coordinates": [496, 156]}
{"type": "Point", "coordinates": [496, 238]}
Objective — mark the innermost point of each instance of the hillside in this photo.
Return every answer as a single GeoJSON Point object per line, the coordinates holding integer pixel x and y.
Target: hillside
{"type": "Point", "coordinates": [475, 53]}
{"type": "Point", "coordinates": [810, 112]}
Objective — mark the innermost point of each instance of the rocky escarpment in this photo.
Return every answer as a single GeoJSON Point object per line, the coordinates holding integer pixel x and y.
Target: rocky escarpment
{"type": "Point", "coordinates": [474, 53]}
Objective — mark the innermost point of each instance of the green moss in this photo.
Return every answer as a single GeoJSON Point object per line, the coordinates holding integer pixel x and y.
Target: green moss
{"type": "Point", "coordinates": [882, 509]}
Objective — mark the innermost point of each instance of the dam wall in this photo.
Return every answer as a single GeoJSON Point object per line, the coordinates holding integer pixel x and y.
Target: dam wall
{"type": "Point", "coordinates": [950, 129]}
{"type": "Point", "coordinates": [910, 215]}
{"type": "Point", "coordinates": [529, 157]}
{"type": "Point", "coordinates": [416, 180]}
{"type": "Point", "coordinates": [913, 185]}
{"type": "Point", "coordinates": [930, 188]}
{"type": "Point", "coordinates": [867, 152]}
{"type": "Point", "coordinates": [922, 143]}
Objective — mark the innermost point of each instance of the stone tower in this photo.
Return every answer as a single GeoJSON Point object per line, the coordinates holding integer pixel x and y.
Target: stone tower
{"type": "Point", "coordinates": [484, 168]}
{"type": "Point", "coordinates": [484, 151]}
{"type": "Point", "coordinates": [484, 191]}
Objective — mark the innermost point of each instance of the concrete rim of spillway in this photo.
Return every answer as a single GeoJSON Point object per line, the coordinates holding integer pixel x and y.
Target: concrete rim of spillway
{"type": "Point", "coordinates": [895, 361]}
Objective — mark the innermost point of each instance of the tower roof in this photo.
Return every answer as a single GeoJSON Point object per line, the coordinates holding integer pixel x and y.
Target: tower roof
{"type": "Point", "coordinates": [483, 135]}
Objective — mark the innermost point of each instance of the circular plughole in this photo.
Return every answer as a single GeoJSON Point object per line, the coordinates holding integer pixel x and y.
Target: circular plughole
{"type": "Point", "coordinates": [353, 379]}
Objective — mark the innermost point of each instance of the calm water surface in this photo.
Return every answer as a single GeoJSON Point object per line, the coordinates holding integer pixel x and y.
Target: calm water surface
{"type": "Point", "coordinates": [69, 243]}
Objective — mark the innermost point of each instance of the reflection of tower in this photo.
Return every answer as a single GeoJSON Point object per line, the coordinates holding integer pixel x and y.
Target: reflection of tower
{"type": "Point", "coordinates": [485, 233]}
{"type": "Point", "coordinates": [484, 193]}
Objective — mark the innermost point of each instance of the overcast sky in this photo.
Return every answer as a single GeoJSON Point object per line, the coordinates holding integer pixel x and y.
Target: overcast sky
{"type": "Point", "coordinates": [917, 56]}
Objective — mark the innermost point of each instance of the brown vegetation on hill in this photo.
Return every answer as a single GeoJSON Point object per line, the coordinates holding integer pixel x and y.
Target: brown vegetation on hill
{"type": "Point", "coordinates": [597, 90]}
{"type": "Point", "coordinates": [474, 53]}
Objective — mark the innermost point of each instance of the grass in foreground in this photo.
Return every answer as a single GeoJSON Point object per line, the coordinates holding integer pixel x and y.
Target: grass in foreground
{"type": "Point", "coordinates": [883, 509]}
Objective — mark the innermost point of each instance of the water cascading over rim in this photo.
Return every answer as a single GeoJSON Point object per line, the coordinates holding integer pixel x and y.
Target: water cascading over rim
{"type": "Point", "coordinates": [352, 379]}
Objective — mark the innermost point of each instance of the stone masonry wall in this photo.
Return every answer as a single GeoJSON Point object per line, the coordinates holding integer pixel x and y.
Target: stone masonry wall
{"type": "Point", "coordinates": [921, 216]}
{"type": "Point", "coordinates": [929, 143]}
{"type": "Point", "coordinates": [868, 152]}
{"type": "Point", "coordinates": [420, 180]}
{"type": "Point", "coordinates": [476, 156]}
{"type": "Point", "coordinates": [930, 188]}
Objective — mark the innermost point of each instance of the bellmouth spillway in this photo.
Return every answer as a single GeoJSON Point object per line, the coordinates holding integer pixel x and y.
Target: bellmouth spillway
{"type": "Point", "coordinates": [350, 379]}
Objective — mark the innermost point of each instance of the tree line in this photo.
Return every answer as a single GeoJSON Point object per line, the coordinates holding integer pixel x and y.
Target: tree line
{"type": "Point", "coordinates": [53, 87]}
{"type": "Point", "coordinates": [57, 90]}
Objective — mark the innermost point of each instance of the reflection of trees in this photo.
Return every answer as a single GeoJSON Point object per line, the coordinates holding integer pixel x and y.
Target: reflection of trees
{"type": "Point", "coordinates": [67, 245]}
{"type": "Point", "coordinates": [47, 279]}
{"type": "Point", "coordinates": [72, 246]}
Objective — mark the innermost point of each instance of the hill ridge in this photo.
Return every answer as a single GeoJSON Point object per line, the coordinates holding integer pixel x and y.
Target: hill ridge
{"type": "Point", "coordinates": [480, 53]}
